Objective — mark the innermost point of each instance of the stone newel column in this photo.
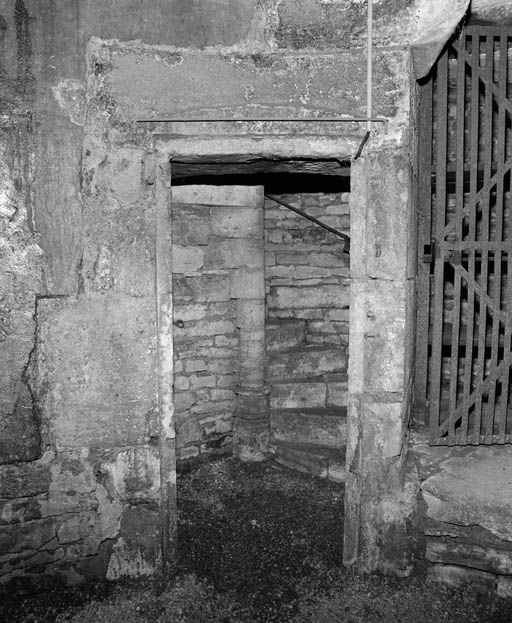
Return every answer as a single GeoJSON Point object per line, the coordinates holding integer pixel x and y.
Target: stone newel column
{"type": "Point", "coordinates": [251, 426]}
{"type": "Point", "coordinates": [251, 423]}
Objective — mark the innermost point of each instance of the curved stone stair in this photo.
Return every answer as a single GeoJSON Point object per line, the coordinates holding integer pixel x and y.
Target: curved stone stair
{"type": "Point", "coordinates": [308, 398]}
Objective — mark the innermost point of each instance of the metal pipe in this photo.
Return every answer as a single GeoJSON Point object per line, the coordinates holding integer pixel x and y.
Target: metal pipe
{"type": "Point", "coordinates": [314, 220]}
{"type": "Point", "coordinates": [270, 119]}
{"type": "Point", "coordinates": [369, 67]}
{"type": "Point", "coordinates": [369, 79]}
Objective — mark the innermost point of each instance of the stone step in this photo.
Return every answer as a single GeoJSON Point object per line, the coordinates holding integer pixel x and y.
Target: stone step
{"type": "Point", "coordinates": [282, 334]}
{"type": "Point", "coordinates": [306, 361]}
{"type": "Point", "coordinates": [316, 460]}
{"type": "Point", "coordinates": [326, 427]}
{"type": "Point", "coordinates": [329, 390]}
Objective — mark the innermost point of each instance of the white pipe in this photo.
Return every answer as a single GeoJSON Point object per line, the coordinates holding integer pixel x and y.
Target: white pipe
{"type": "Point", "coordinates": [369, 67]}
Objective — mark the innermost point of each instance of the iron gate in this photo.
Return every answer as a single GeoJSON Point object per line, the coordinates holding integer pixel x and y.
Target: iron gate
{"type": "Point", "coordinates": [464, 356]}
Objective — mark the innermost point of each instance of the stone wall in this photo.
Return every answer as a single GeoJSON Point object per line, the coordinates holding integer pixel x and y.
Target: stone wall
{"type": "Point", "coordinates": [217, 247]}
{"type": "Point", "coordinates": [83, 496]}
{"type": "Point", "coordinates": [306, 270]}
{"type": "Point", "coordinates": [307, 282]}
{"type": "Point", "coordinates": [467, 504]}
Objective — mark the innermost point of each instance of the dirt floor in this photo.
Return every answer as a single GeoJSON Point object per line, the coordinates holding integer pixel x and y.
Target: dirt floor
{"type": "Point", "coordinates": [260, 544]}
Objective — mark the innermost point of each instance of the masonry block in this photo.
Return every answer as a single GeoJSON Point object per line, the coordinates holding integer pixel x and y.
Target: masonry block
{"type": "Point", "coordinates": [217, 196]}
{"type": "Point", "coordinates": [284, 297]}
{"type": "Point", "coordinates": [136, 552]}
{"type": "Point", "coordinates": [306, 362]}
{"type": "Point", "coordinates": [383, 427]}
{"type": "Point", "coordinates": [377, 340]}
{"type": "Point", "coordinates": [320, 427]}
{"type": "Point", "coordinates": [204, 328]}
{"type": "Point", "coordinates": [201, 288]}
{"type": "Point", "coordinates": [237, 222]}
{"type": "Point", "coordinates": [247, 284]}
{"type": "Point", "coordinates": [381, 221]}
{"type": "Point", "coordinates": [304, 80]}
{"type": "Point", "coordinates": [190, 225]}
{"type": "Point", "coordinates": [337, 390]}
{"type": "Point", "coordinates": [291, 395]}
{"type": "Point", "coordinates": [233, 253]}
{"type": "Point", "coordinates": [189, 313]}
{"type": "Point", "coordinates": [25, 479]}
{"type": "Point", "coordinates": [284, 334]}
{"type": "Point", "coordinates": [187, 260]}
{"type": "Point", "coordinates": [118, 246]}
{"type": "Point", "coordinates": [94, 373]}
{"type": "Point", "coordinates": [29, 536]}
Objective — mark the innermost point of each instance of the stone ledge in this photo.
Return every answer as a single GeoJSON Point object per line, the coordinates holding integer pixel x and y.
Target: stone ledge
{"type": "Point", "coordinates": [317, 460]}
{"type": "Point", "coordinates": [474, 487]}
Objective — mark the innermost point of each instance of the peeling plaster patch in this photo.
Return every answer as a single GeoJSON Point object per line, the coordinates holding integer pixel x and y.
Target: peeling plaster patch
{"type": "Point", "coordinates": [109, 513]}
{"type": "Point", "coordinates": [124, 562]}
{"type": "Point", "coordinates": [135, 473]}
{"type": "Point", "coordinates": [70, 96]}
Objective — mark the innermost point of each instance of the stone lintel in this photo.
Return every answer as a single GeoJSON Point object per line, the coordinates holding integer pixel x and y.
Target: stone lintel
{"type": "Point", "coordinates": [236, 196]}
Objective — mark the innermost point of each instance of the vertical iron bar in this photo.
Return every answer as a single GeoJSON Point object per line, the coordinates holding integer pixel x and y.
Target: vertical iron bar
{"type": "Point", "coordinates": [486, 124]}
{"type": "Point", "coordinates": [459, 195]}
{"type": "Point", "coordinates": [473, 168]}
{"type": "Point", "coordinates": [499, 134]}
{"type": "Point", "coordinates": [440, 220]}
{"type": "Point", "coordinates": [500, 194]}
{"type": "Point", "coordinates": [424, 238]}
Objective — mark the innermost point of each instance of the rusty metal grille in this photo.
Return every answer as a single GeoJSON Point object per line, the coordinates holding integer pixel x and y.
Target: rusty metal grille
{"type": "Point", "coordinates": [465, 276]}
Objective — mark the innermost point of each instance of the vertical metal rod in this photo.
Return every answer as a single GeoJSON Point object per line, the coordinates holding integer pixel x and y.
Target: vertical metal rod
{"type": "Point", "coordinates": [501, 194]}
{"type": "Point", "coordinates": [369, 67]}
{"type": "Point", "coordinates": [469, 360]}
{"type": "Point", "coordinates": [486, 127]}
{"type": "Point", "coordinates": [459, 199]}
{"type": "Point", "coordinates": [439, 268]}
{"type": "Point", "coordinates": [424, 238]}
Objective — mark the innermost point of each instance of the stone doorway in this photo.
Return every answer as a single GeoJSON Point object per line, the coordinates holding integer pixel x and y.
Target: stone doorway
{"type": "Point", "coordinates": [261, 305]}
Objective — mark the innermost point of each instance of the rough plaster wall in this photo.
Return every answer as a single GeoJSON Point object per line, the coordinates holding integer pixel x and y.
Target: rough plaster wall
{"type": "Point", "coordinates": [21, 280]}
{"type": "Point", "coordinates": [21, 261]}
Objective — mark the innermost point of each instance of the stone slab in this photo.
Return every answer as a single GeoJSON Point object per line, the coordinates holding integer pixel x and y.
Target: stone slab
{"type": "Point", "coordinates": [456, 552]}
{"type": "Point", "coordinates": [201, 288]}
{"type": "Point", "coordinates": [292, 395]}
{"type": "Point", "coordinates": [190, 225]}
{"type": "Point", "coordinates": [219, 197]}
{"type": "Point", "coordinates": [284, 334]}
{"type": "Point", "coordinates": [237, 223]}
{"type": "Point", "coordinates": [320, 461]}
{"type": "Point", "coordinates": [187, 259]}
{"type": "Point", "coordinates": [337, 390]}
{"type": "Point", "coordinates": [95, 375]}
{"type": "Point", "coordinates": [248, 283]}
{"type": "Point", "coordinates": [317, 426]}
{"type": "Point", "coordinates": [148, 81]}
{"type": "Point", "coordinates": [377, 340]}
{"type": "Point", "coordinates": [474, 487]}
{"type": "Point", "coordinates": [284, 297]}
{"type": "Point", "coordinates": [118, 246]}
{"type": "Point", "coordinates": [32, 535]}
{"type": "Point", "coordinates": [458, 576]}
{"type": "Point", "coordinates": [25, 479]}
{"type": "Point", "coordinates": [309, 361]}
{"type": "Point", "coordinates": [233, 253]}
